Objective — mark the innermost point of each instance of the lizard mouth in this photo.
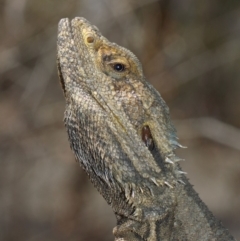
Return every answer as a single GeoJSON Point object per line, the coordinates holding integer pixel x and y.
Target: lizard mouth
{"type": "Point", "coordinates": [72, 57]}
{"type": "Point", "coordinates": [65, 33]}
{"type": "Point", "coordinates": [61, 76]}
{"type": "Point", "coordinates": [63, 41]}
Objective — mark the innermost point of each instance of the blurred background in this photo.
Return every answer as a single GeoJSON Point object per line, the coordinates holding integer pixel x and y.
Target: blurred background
{"type": "Point", "coordinates": [190, 51]}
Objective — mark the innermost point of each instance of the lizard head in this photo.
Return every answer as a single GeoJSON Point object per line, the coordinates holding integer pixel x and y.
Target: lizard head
{"type": "Point", "coordinates": [120, 131]}
{"type": "Point", "coordinates": [118, 124]}
{"type": "Point", "coordinates": [114, 76]}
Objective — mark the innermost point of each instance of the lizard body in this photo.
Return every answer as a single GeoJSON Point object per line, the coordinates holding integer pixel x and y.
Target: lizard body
{"type": "Point", "coordinates": [121, 133]}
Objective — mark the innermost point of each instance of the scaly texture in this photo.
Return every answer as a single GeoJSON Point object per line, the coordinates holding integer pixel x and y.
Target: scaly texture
{"type": "Point", "coordinates": [120, 131]}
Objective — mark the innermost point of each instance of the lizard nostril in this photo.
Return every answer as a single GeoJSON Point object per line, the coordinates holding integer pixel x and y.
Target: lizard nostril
{"type": "Point", "coordinates": [90, 39]}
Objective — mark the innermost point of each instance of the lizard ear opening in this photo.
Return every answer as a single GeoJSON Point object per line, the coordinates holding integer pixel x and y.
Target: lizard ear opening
{"type": "Point", "coordinates": [147, 137]}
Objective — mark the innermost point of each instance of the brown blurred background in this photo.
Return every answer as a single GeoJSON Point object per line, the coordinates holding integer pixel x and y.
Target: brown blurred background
{"type": "Point", "coordinates": [190, 51]}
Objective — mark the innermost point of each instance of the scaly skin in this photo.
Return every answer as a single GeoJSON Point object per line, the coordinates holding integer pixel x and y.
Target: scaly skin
{"type": "Point", "coordinates": [120, 131]}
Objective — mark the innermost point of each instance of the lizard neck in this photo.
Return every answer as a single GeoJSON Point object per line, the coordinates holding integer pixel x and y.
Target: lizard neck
{"type": "Point", "coordinates": [185, 218]}
{"type": "Point", "coordinates": [193, 220]}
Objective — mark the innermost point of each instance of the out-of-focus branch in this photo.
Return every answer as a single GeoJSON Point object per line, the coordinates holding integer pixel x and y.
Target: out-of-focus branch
{"type": "Point", "coordinates": [210, 128]}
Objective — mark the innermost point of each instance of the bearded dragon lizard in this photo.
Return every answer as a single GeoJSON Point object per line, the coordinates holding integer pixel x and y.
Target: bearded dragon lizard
{"type": "Point", "coordinates": [120, 132]}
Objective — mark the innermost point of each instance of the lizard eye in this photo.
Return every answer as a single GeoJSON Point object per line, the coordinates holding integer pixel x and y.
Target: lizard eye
{"type": "Point", "coordinates": [119, 67]}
